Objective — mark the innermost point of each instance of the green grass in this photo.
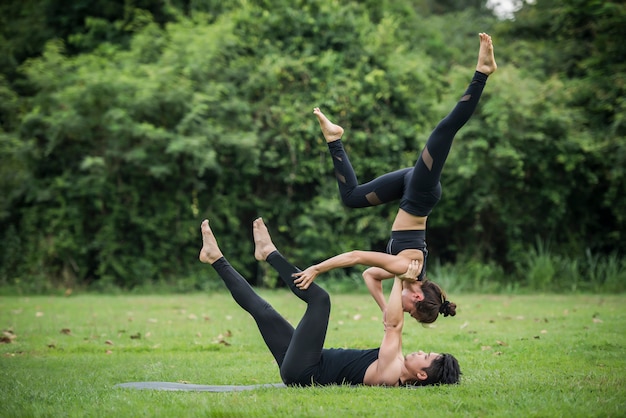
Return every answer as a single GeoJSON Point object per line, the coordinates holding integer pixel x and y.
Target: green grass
{"type": "Point", "coordinates": [521, 356]}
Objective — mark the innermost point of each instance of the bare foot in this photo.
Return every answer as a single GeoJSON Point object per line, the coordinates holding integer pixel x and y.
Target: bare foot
{"type": "Point", "coordinates": [263, 245]}
{"type": "Point", "coordinates": [330, 131]}
{"type": "Point", "coordinates": [486, 60]}
{"type": "Point", "coordinates": [210, 251]}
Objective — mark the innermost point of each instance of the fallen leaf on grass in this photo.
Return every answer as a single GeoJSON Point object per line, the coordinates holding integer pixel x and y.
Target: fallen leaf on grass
{"type": "Point", "coordinates": [66, 331]}
{"type": "Point", "coordinates": [221, 340]}
{"type": "Point", "coordinates": [135, 336]}
{"type": "Point", "coordinates": [597, 321]}
{"type": "Point", "coordinates": [7, 336]}
{"type": "Point", "coordinates": [108, 352]}
{"type": "Point", "coordinates": [485, 347]}
{"type": "Point", "coordinates": [501, 343]}
{"type": "Point", "coordinates": [108, 342]}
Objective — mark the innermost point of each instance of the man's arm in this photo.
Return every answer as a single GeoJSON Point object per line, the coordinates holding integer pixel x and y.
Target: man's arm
{"type": "Point", "coordinates": [390, 359]}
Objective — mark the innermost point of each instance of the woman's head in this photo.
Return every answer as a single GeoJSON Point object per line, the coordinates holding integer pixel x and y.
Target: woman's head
{"type": "Point", "coordinates": [433, 303]}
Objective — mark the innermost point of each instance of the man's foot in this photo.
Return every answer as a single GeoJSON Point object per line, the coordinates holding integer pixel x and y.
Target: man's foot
{"type": "Point", "coordinates": [486, 60]}
{"type": "Point", "coordinates": [210, 251]}
{"type": "Point", "coordinates": [263, 245]}
{"type": "Point", "coordinates": [330, 131]}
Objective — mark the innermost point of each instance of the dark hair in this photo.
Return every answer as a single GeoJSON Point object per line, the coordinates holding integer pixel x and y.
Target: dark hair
{"type": "Point", "coordinates": [433, 304]}
{"type": "Point", "coordinates": [444, 370]}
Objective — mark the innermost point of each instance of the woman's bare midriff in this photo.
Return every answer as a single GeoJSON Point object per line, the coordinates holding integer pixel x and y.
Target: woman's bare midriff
{"type": "Point", "coordinates": [411, 254]}
{"type": "Point", "coordinates": [406, 222]}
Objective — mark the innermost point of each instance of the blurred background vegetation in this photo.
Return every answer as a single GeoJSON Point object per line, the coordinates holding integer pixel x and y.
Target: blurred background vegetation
{"type": "Point", "coordinates": [125, 123]}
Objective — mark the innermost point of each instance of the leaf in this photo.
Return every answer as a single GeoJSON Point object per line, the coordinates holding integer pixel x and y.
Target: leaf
{"type": "Point", "coordinates": [7, 336]}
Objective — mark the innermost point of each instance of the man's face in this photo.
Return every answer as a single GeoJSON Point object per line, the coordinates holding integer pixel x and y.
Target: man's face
{"type": "Point", "coordinates": [418, 361]}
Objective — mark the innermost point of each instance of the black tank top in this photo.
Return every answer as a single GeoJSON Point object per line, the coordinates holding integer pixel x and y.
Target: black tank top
{"type": "Point", "coordinates": [344, 366]}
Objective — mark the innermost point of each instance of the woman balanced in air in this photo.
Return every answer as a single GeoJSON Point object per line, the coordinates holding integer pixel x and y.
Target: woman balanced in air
{"type": "Point", "coordinates": [300, 353]}
{"type": "Point", "coordinates": [418, 188]}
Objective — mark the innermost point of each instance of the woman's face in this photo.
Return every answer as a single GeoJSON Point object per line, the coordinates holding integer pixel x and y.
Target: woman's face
{"type": "Point", "coordinates": [410, 295]}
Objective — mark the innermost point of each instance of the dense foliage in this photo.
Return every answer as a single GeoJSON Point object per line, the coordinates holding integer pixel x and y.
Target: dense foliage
{"type": "Point", "coordinates": [124, 124]}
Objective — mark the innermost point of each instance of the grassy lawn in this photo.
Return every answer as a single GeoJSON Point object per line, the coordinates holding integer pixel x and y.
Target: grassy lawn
{"type": "Point", "coordinates": [521, 356]}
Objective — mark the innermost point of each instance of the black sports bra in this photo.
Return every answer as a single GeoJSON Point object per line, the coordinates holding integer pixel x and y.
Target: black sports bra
{"type": "Point", "coordinates": [409, 240]}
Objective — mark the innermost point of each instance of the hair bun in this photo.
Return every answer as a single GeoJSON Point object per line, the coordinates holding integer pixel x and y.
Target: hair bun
{"type": "Point", "coordinates": [447, 308]}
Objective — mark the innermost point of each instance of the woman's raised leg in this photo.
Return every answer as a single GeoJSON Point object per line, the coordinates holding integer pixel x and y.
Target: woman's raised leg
{"type": "Point", "coordinates": [428, 168]}
{"type": "Point", "coordinates": [384, 189]}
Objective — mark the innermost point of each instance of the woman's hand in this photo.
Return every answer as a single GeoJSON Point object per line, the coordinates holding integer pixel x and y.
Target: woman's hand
{"type": "Point", "coordinates": [305, 278]}
{"type": "Point", "coordinates": [411, 274]}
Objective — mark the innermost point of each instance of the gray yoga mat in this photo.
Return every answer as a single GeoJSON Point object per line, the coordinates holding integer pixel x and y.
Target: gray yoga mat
{"type": "Point", "coordinates": [195, 388]}
{"type": "Point", "coordinates": [209, 388]}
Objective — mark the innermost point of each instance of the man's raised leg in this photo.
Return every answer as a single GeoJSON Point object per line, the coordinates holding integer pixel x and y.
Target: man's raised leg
{"type": "Point", "coordinates": [308, 338]}
{"type": "Point", "coordinates": [275, 329]}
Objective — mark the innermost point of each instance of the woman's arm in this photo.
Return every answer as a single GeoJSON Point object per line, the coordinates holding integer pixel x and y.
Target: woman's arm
{"type": "Point", "coordinates": [392, 263]}
{"type": "Point", "coordinates": [373, 278]}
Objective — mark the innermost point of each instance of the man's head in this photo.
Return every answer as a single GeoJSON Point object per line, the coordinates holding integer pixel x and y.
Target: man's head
{"type": "Point", "coordinates": [432, 368]}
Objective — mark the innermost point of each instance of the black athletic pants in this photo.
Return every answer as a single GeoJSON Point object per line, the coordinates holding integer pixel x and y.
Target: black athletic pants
{"type": "Point", "coordinates": [297, 351]}
{"type": "Point", "coordinates": [418, 187]}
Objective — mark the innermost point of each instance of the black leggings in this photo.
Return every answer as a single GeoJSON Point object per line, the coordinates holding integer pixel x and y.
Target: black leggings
{"type": "Point", "coordinates": [418, 187]}
{"type": "Point", "coordinates": [297, 351]}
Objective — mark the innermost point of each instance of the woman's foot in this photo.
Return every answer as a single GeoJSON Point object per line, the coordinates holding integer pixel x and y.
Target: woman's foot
{"type": "Point", "coordinates": [330, 131]}
{"type": "Point", "coordinates": [210, 251]}
{"type": "Point", "coordinates": [263, 245]}
{"type": "Point", "coordinates": [486, 60]}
